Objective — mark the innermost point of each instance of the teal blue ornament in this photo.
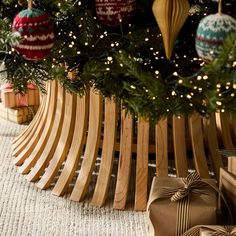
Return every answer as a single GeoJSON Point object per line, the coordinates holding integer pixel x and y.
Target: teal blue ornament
{"type": "Point", "coordinates": [211, 33]}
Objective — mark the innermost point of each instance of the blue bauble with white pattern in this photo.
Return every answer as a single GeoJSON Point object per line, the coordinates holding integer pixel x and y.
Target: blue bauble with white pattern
{"type": "Point", "coordinates": [211, 33]}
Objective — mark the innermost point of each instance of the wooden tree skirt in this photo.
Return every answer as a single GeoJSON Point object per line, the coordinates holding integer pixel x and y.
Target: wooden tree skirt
{"type": "Point", "coordinates": [72, 139]}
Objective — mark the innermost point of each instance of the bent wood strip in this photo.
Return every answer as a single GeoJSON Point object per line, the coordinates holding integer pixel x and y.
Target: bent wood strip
{"type": "Point", "coordinates": [141, 191]}
{"type": "Point", "coordinates": [29, 128]}
{"type": "Point", "coordinates": [225, 131]}
{"type": "Point", "coordinates": [21, 143]}
{"type": "Point", "coordinates": [232, 164]}
{"type": "Point", "coordinates": [125, 157]}
{"type": "Point", "coordinates": [63, 144]}
{"type": "Point", "coordinates": [78, 142]}
{"type": "Point", "coordinates": [195, 127]}
{"type": "Point", "coordinates": [94, 132]}
{"type": "Point", "coordinates": [32, 123]}
{"type": "Point", "coordinates": [107, 157]}
{"type": "Point", "coordinates": [161, 148]}
{"type": "Point", "coordinates": [38, 160]}
{"type": "Point", "coordinates": [233, 126]}
{"type": "Point", "coordinates": [212, 141]}
{"type": "Point", "coordinates": [49, 109]}
{"type": "Point", "coordinates": [179, 136]}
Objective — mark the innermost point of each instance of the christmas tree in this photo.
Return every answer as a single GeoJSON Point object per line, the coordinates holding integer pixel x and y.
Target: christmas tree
{"type": "Point", "coordinates": [119, 51]}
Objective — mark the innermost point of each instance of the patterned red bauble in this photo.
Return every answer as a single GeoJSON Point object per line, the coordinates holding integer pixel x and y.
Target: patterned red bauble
{"type": "Point", "coordinates": [37, 35]}
{"type": "Point", "coordinates": [111, 12]}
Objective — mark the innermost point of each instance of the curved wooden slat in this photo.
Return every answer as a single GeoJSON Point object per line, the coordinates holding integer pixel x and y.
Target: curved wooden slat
{"type": "Point", "coordinates": [196, 133]}
{"type": "Point", "coordinates": [23, 140]}
{"type": "Point", "coordinates": [28, 129]}
{"type": "Point", "coordinates": [63, 144]}
{"type": "Point", "coordinates": [92, 145]}
{"type": "Point", "coordinates": [232, 164]}
{"type": "Point", "coordinates": [141, 186]}
{"type": "Point", "coordinates": [213, 146]}
{"type": "Point", "coordinates": [125, 157]}
{"type": "Point", "coordinates": [179, 138]}
{"type": "Point", "coordinates": [49, 109]}
{"type": "Point", "coordinates": [78, 142]}
{"type": "Point", "coordinates": [223, 124]}
{"type": "Point", "coordinates": [161, 148]}
{"type": "Point", "coordinates": [108, 149]}
{"type": "Point", "coordinates": [233, 127]}
{"type": "Point", "coordinates": [43, 152]}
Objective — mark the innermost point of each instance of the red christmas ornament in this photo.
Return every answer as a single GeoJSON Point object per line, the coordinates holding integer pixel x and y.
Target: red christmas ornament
{"type": "Point", "coordinates": [36, 30]}
{"type": "Point", "coordinates": [111, 12]}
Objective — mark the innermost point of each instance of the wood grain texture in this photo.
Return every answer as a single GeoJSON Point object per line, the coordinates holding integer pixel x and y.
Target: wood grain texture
{"type": "Point", "coordinates": [196, 133]}
{"type": "Point", "coordinates": [108, 149]}
{"type": "Point", "coordinates": [32, 124]}
{"type": "Point", "coordinates": [47, 143]}
{"type": "Point", "coordinates": [22, 141]}
{"type": "Point", "coordinates": [63, 144]}
{"type": "Point", "coordinates": [124, 168]}
{"type": "Point", "coordinates": [232, 165]}
{"type": "Point", "coordinates": [223, 124]}
{"type": "Point", "coordinates": [141, 183]}
{"type": "Point", "coordinates": [92, 144]}
{"type": "Point", "coordinates": [161, 148]}
{"type": "Point", "coordinates": [233, 127]}
{"type": "Point", "coordinates": [210, 132]}
{"type": "Point", "coordinates": [78, 142]}
{"type": "Point", "coordinates": [179, 140]}
{"type": "Point", "coordinates": [44, 122]}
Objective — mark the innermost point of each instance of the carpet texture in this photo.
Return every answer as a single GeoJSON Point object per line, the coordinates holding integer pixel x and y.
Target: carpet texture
{"type": "Point", "coordinates": [27, 210]}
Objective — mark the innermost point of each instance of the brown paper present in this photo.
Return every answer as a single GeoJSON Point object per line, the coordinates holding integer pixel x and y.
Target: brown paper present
{"type": "Point", "coordinates": [177, 204]}
{"type": "Point", "coordinates": [10, 99]}
{"type": "Point", "coordinates": [210, 230]}
{"type": "Point", "coordinates": [228, 188]}
{"type": "Point", "coordinates": [18, 115]}
{"type": "Point", "coordinates": [232, 164]}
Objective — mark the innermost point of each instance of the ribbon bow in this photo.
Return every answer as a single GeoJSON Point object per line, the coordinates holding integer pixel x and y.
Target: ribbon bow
{"type": "Point", "coordinates": [192, 183]}
{"type": "Point", "coordinates": [223, 231]}
{"type": "Point", "coordinates": [215, 230]}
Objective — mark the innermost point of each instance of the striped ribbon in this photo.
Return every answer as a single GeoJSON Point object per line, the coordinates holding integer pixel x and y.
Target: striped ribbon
{"type": "Point", "coordinates": [182, 224]}
{"type": "Point", "coordinates": [215, 230]}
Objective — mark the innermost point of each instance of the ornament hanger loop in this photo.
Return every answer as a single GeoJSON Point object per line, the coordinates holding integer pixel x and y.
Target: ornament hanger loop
{"type": "Point", "coordinates": [30, 3]}
{"type": "Point", "coordinates": [220, 7]}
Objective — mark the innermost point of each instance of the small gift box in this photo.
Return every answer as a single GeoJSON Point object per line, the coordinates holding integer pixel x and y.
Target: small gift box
{"type": "Point", "coordinates": [210, 230]}
{"type": "Point", "coordinates": [10, 99]}
{"type": "Point", "coordinates": [177, 204]}
{"type": "Point", "coordinates": [18, 115]}
{"type": "Point", "coordinates": [228, 188]}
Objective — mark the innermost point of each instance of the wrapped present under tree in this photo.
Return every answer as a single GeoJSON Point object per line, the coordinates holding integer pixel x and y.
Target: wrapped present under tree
{"type": "Point", "coordinates": [177, 204]}
{"type": "Point", "coordinates": [11, 99]}
{"type": "Point", "coordinates": [18, 115]}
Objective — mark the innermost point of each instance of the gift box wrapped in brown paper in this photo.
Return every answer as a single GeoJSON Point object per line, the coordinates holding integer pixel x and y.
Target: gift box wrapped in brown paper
{"type": "Point", "coordinates": [210, 230]}
{"type": "Point", "coordinates": [18, 115]}
{"type": "Point", "coordinates": [228, 188]}
{"type": "Point", "coordinates": [177, 204]}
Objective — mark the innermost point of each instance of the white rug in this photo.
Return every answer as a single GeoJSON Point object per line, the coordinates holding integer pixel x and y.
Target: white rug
{"type": "Point", "coordinates": [26, 210]}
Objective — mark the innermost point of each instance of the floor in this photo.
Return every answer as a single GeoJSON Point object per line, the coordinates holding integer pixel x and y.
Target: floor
{"type": "Point", "coordinates": [26, 210]}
